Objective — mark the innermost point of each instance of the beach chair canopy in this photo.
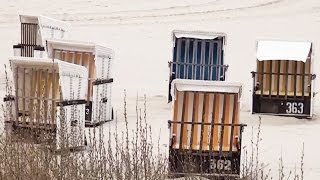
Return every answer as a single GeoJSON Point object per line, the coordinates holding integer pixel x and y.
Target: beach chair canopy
{"type": "Point", "coordinates": [283, 50]}
{"type": "Point", "coordinates": [205, 86]}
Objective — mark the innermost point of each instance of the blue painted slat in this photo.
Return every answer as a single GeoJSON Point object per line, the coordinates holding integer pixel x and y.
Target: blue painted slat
{"type": "Point", "coordinates": [197, 51]}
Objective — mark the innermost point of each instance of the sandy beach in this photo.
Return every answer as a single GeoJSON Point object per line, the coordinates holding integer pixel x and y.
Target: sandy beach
{"type": "Point", "coordinates": [139, 31]}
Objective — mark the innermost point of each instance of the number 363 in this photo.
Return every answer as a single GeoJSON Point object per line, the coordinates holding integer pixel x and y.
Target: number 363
{"type": "Point", "coordinates": [294, 108]}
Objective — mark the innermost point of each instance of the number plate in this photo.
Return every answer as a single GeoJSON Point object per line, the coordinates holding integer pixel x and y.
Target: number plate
{"type": "Point", "coordinates": [88, 112]}
{"type": "Point", "coordinates": [220, 165]}
{"type": "Point", "coordinates": [294, 107]}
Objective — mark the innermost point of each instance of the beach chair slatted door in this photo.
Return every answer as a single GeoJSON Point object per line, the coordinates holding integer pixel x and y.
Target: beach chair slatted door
{"type": "Point", "coordinates": [205, 130]}
{"type": "Point", "coordinates": [86, 59]}
{"type": "Point", "coordinates": [198, 59]}
{"type": "Point", "coordinates": [37, 91]}
{"type": "Point", "coordinates": [50, 99]}
{"type": "Point", "coordinates": [283, 86]}
{"type": "Point", "coordinates": [101, 104]}
{"type": "Point", "coordinates": [29, 33]}
{"type": "Point", "coordinates": [203, 121]}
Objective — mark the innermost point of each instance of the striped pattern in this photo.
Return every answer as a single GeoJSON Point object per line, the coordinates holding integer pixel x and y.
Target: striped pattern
{"type": "Point", "coordinates": [198, 59]}
{"type": "Point", "coordinates": [199, 107]}
{"type": "Point", "coordinates": [86, 59]}
{"type": "Point", "coordinates": [28, 38]}
{"type": "Point", "coordinates": [295, 79]}
{"type": "Point", "coordinates": [37, 94]}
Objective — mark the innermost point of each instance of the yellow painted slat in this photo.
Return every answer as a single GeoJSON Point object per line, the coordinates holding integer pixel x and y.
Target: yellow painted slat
{"type": "Point", "coordinates": [285, 67]}
{"type": "Point", "coordinates": [185, 119]}
{"type": "Point", "coordinates": [236, 129]}
{"type": "Point", "coordinates": [196, 119]}
{"type": "Point", "coordinates": [216, 120]}
{"type": "Point", "coordinates": [205, 145]}
{"type": "Point", "coordinates": [226, 121]}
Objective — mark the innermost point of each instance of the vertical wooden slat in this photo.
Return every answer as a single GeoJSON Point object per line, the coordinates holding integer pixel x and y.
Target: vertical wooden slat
{"type": "Point", "coordinates": [17, 94]}
{"type": "Point", "coordinates": [286, 79]}
{"type": "Point", "coordinates": [203, 117]}
{"type": "Point", "coordinates": [219, 61]}
{"type": "Point", "coordinates": [206, 120]}
{"type": "Point", "coordinates": [214, 104]}
{"type": "Point", "coordinates": [184, 118]}
{"type": "Point", "coordinates": [270, 78]}
{"type": "Point", "coordinates": [237, 121]}
{"type": "Point", "coordinates": [278, 77]}
{"type": "Point", "coordinates": [194, 109]}
{"type": "Point", "coordinates": [91, 74]}
{"type": "Point", "coordinates": [74, 57]}
{"type": "Point", "coordinates": [38, 109]}
{"type": "Point", "coordinates": [203, 51]}
{"type": "Point", "coordinates": [262, 75]}
{"type": "Point", "coordinates": [21, 36]}
{"type": "Point", "coordinates": [194, 59]}
{"type": "Point", "coordinates": [53, 97]}
{"type": "Point", "coordinates": [46, 97]}
{"type": "Point", "coordinates": [178, 60]}
{"type": "Point", "coordinates": [195, 115]}
{"type": "Point", "coordinates": [30, 97]}
{"type": "Point", "coordinates": [215, 135]}
{"type": "Point", "coordinates": [24, 96]}
{"type": "Point", "coordinates": [29, 40]}
{"type": "Point", "coordinates": [186, 58]}
{"type": "Point", "coordinates": [87, 65]}
{"type": "Point", "coordinates": [226, 121]}
{"type": "Point", "coordinates": [234, 114]}
{"type": "Point", "coordinates": [211, 67]}
{"type": "Point", "coordinates": [222, 121]}
{"type": "Point", "coordinates": [175, 117]}
{"type": "Point", "coordinates": [303, 79]}
{"type": "Point", "coordinates": [49, 92]}
{"type": "Point", "coordinates": [295, 79]}
{"type": "Point", "coordinates": [258, 71]}
{"type": "Point", "coordinates": [34, 94]}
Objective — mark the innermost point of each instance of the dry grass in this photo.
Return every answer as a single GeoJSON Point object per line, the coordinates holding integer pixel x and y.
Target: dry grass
{"type": "Point", "coordinates": [121, 154]}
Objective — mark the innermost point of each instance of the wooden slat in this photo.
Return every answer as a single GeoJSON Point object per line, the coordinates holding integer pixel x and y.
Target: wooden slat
{"type": "Point", "coordinates": [205, 145]}
{"type": "Point", "coordinates": [194, 128]}
{"type": "Point", "coordinates": [278, 77]}
{"type": "Point", "coordinates": [226, 121]}
{"type": "Point", "coordinates": [214, 105]}
{"type": "Point", "coordinates": [203, 50]}
{"type": "Point", "coordinates": [194, 59]}
{"type": "Point", "coordinates": [262, 80]}
{"type": "Point", "coordinates": [178, 58]}
{"type": "Point", "coordinates": [46, 95]}
{"type": "Point", "coordinates": [32, 79]}
{"type": "Point", "coordinates": [295, 79]}
{"type": "Point", "coordinates": [216, 120]}
{"type": "Point", "coordinates": [270, 78]}
{"type": "Point", "coordinates": [222, 120]}
{"type": "Point", "coordinates": [175, 117]}
{"type": "Point", "coordinates": [17, 92]}
{"type": "Point", "coordinates": [186, 58]}
{"type": "Point", "coordinates": [286, 79]}
{"type": "Point", "coordinates": [234, 114]}
{"type": "Point", "coordinates": [303, 79]}
{"type": "Point", "coordinates": [53, 106]}
{"type": "Point", "coordinates": [91, 75]}
{"type": "Point", "coordinates": [24, 95]}
{"type": "Point", "coordinates": [202, 120]}
{"type": "Point", "coordinates": [38, 108]}
{"type": "Point", "coordinates": [183, 128]}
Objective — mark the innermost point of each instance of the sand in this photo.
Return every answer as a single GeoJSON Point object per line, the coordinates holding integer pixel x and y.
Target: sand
{"type": "Point", "coordinates": [139, 31]}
